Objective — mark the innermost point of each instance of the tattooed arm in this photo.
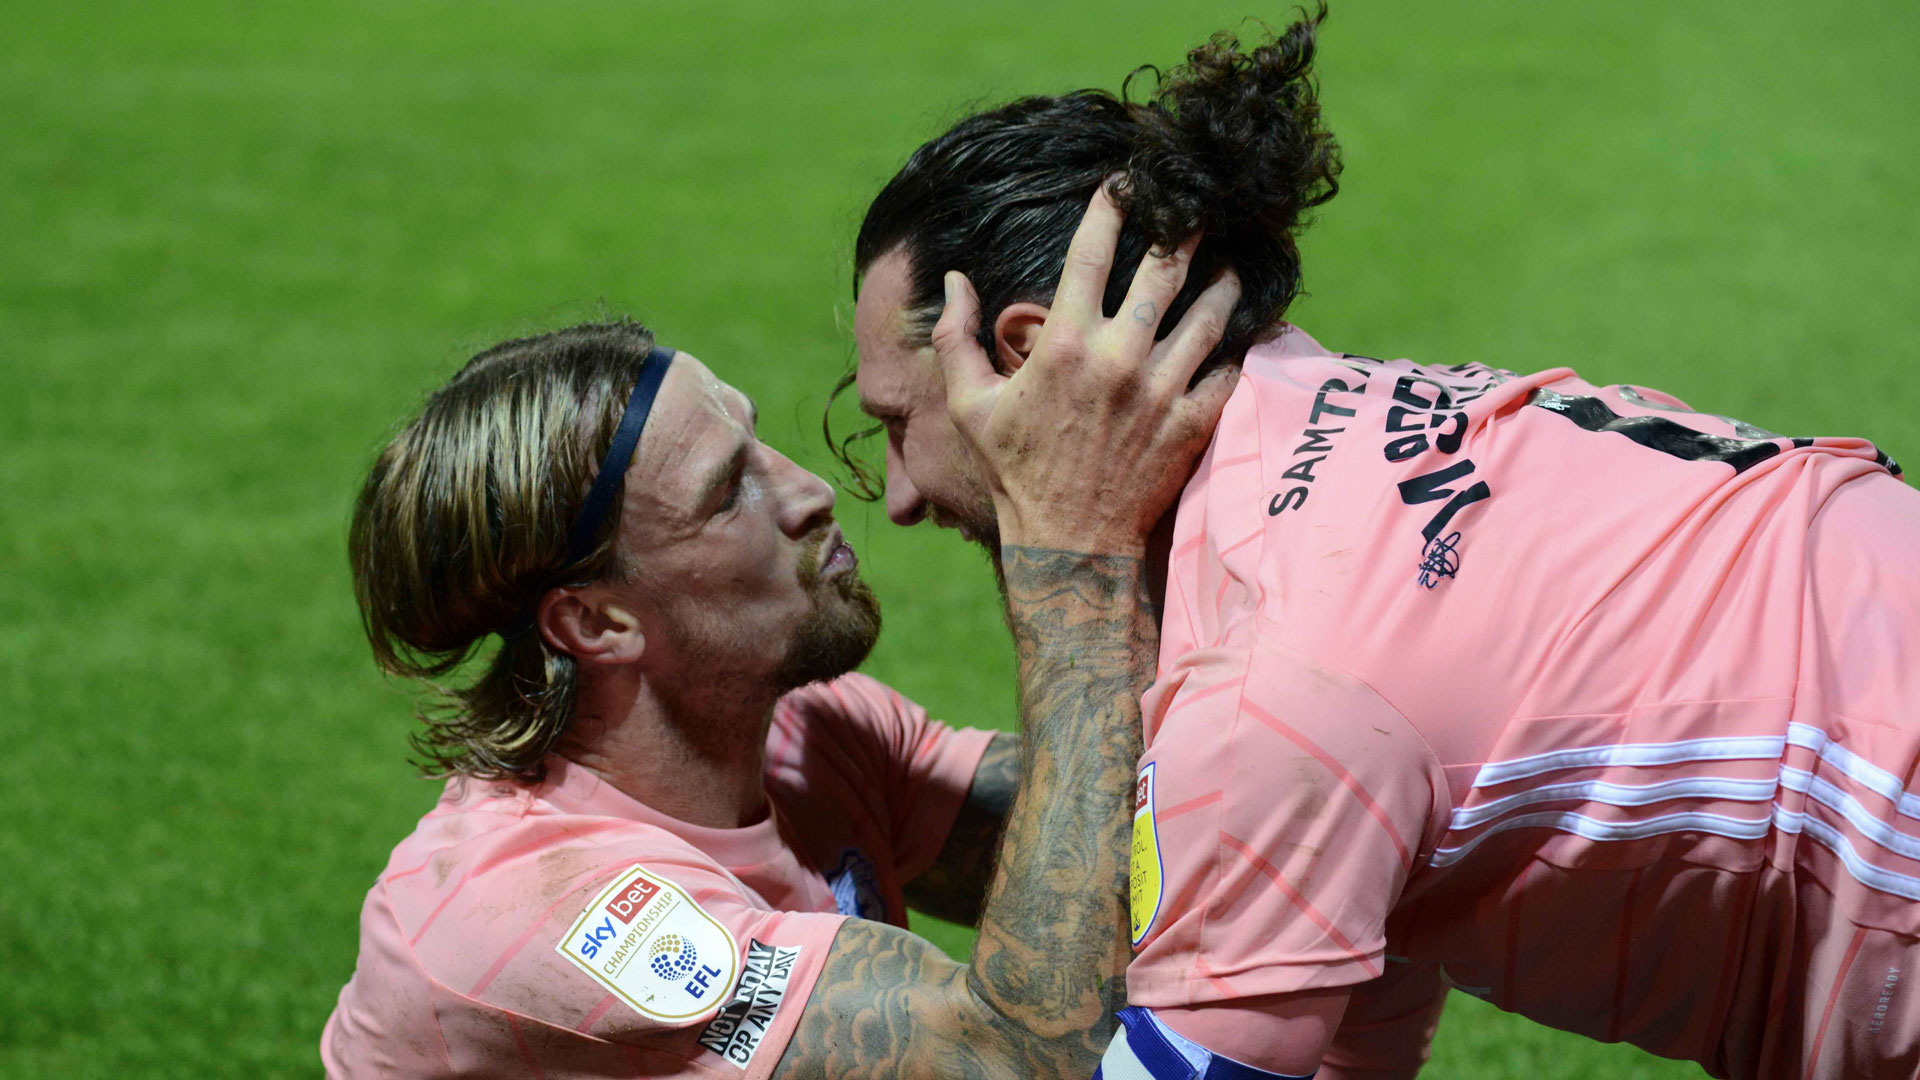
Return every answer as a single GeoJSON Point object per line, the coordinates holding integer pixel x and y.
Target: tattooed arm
{"type": "Point", "coordinates": [955, 886]}
{"type": "Point", "coordinates": [1045, 979]}
{"type": "Point", "coordinates": [1083, 450]}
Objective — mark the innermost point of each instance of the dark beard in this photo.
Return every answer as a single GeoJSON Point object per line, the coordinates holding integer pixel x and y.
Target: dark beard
{"type": "Point", "coordinates": [838, 635]}
{"type": "Point", "coordinates": [984, 531]}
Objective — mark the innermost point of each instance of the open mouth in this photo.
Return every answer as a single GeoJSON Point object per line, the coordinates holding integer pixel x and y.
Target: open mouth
{"type": "Point", "coordinates": [839, 560]}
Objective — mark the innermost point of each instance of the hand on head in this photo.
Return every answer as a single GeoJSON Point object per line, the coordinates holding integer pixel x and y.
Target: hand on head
{"type": "Point", "coordinates": [1087, 445]}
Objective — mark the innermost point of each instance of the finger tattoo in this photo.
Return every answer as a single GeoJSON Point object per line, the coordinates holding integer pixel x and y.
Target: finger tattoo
{"type": "Point", "coordinates": [1145, 313]}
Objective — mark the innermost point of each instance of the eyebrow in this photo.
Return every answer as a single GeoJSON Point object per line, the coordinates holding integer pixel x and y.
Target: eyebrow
{"type": "Point", "coordinates": [722, 474]}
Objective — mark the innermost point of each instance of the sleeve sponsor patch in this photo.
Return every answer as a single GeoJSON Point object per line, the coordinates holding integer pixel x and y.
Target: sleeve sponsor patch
{"type": "Point", "coordinates": [1143, 864]}
{"type": "Point", "coordinates": [644, 939]}
{"type": "Point", "coordinates": [737, 1032]}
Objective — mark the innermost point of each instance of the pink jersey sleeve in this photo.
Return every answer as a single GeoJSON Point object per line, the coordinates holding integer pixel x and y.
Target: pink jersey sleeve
{"type": "Point", "coordinates": [911, 771]}
{"type": "Point", "coordinates": [612, 953]}
{"type": "Point", "coordinates": [1282, 806]}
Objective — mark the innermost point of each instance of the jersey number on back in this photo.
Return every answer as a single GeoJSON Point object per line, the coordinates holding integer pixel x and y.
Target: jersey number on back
{"type": "Point", "coordinates": [1670, 437]}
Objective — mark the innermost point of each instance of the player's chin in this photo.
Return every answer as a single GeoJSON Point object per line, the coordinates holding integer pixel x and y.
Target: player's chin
{"type": "Point", "coordinates": [984, 531]}
{"type": "Point", "coordinates": [836, 639]}
{"type": "Point", "coordinates": [850, 599]}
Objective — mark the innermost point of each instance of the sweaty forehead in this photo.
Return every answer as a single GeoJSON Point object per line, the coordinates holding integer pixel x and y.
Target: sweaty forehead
{"type": "Point", "coordinates": [697, 421]}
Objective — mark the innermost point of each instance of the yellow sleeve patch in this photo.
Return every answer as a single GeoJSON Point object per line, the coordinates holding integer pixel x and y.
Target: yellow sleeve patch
{"type": "Point", "coordinates": [1144, 882]}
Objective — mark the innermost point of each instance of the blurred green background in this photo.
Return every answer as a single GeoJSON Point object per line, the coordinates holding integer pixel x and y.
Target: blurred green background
{"type": "Point", "coordinates": [242, 240]}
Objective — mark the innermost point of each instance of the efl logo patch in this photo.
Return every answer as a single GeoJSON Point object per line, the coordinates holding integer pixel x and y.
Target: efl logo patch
{"type": "Point", "coordinates": [1143, 863]}
{"type": "Point", "coordinates": [738, 1031]}
{"type": "Point", "coordinates": [644, 939]}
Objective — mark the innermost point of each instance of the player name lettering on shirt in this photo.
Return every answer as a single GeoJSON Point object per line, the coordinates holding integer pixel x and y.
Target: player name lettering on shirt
{"type": "Point", "coordinates": [1428, 415]}
{"type": "Point", "coordinates": [1319, 444]}
{"type": "Point", "coordinates": [740, 1027]}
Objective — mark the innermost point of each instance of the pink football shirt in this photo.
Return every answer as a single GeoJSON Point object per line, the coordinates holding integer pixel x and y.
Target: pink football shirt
{"type": "Point", "coordinates": [1599, 708]}
{"type": "Point", "coordinates": [563, 929]}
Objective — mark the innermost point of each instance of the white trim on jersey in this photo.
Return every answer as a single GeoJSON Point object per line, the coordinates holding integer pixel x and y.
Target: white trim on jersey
{"type": "Point", "coordinates": [1875, 830]}
{"type": "Point", "coordinates": [1596, 829]}
{"type": "Point", "coordinates": [1600, 791]}
{"type": "Point", "coordinates": [1834, 798]}
{"type": "Point", "coordinates": [1494, 773]}
{"type": "Point", "coordinates": [1858, 769]}
{"type": "Point", "coordinates": [1833, 840]}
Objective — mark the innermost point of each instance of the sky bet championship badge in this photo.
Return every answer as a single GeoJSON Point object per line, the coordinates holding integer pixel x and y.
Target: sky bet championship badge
{"type": "Point", "coordinates": [648, 942]}
{"type": "Point", "coordinates": [1143, 863]}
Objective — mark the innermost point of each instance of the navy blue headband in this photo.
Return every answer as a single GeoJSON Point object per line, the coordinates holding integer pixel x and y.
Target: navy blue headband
{"type": "Point", "coordinates": [613, 470]}
{"type": "Point", "coordinates": [613, 467]}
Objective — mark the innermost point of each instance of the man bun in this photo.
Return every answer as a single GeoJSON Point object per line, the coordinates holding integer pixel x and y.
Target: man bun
{"type": "Point", "coordinates": [1231, 144]}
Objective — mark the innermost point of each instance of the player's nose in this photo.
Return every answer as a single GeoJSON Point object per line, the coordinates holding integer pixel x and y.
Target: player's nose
{"type": "Point", "coordinates": [806, 499]}
{"type": "Point", "coordinates": [905, 504]}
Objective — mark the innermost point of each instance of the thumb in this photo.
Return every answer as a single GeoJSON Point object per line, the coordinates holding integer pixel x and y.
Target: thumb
{"type": "Point", "coordinates": [964, 364]}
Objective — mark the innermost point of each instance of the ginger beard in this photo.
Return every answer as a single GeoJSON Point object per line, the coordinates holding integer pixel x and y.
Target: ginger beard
{"type": "Point", "coordinates": [842, 628]}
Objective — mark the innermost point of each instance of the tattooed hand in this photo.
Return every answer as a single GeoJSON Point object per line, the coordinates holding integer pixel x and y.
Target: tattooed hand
{"type": "Point", "coordinates": [1088, 443]}
{"type": "Point", "coordinates": [1085, 447]}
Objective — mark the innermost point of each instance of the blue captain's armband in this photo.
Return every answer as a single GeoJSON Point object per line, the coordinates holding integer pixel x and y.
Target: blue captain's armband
{"type": "Point", "coordinates": [1146, 1049]}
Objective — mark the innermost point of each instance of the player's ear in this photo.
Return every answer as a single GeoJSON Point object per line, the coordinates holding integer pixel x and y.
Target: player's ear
{"type": "Point", "coordinates": [1015, 332]}
{"type": "Point", "coordinates": [591, 626]}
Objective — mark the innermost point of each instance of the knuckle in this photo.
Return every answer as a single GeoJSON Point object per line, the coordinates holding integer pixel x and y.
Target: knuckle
{"type": "Point", "coordinates": [1088, 257]}
{"type": "Point", "coordinates": [1157, 285]}
{"type": "Point", "coordinates": [1066, 341]}
{"type": "Point", "coordinates": [1209, 325]}
{"type": "Point", "coordinates": [1121, 380]}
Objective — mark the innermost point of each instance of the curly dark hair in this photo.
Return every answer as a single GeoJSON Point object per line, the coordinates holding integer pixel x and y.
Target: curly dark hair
{"type": "Point", "coordinates": [1229, 143]}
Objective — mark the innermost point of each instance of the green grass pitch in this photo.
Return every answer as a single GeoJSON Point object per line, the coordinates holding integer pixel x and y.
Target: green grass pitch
{"type": "Point", "coordinates": [238, 241]}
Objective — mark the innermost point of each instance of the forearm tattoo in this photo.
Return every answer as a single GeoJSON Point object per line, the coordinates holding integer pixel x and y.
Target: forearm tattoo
{"type": "Point", "coordinates": [1047, 973]}
{"type": "Point", "coordinates": [955, 886]}
{"type": "Point", "coordinates": [1052, 951]}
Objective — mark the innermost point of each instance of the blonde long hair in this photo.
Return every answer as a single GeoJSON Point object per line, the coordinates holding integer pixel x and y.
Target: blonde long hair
{"type": "Point", "coordinates": [462, 525]}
